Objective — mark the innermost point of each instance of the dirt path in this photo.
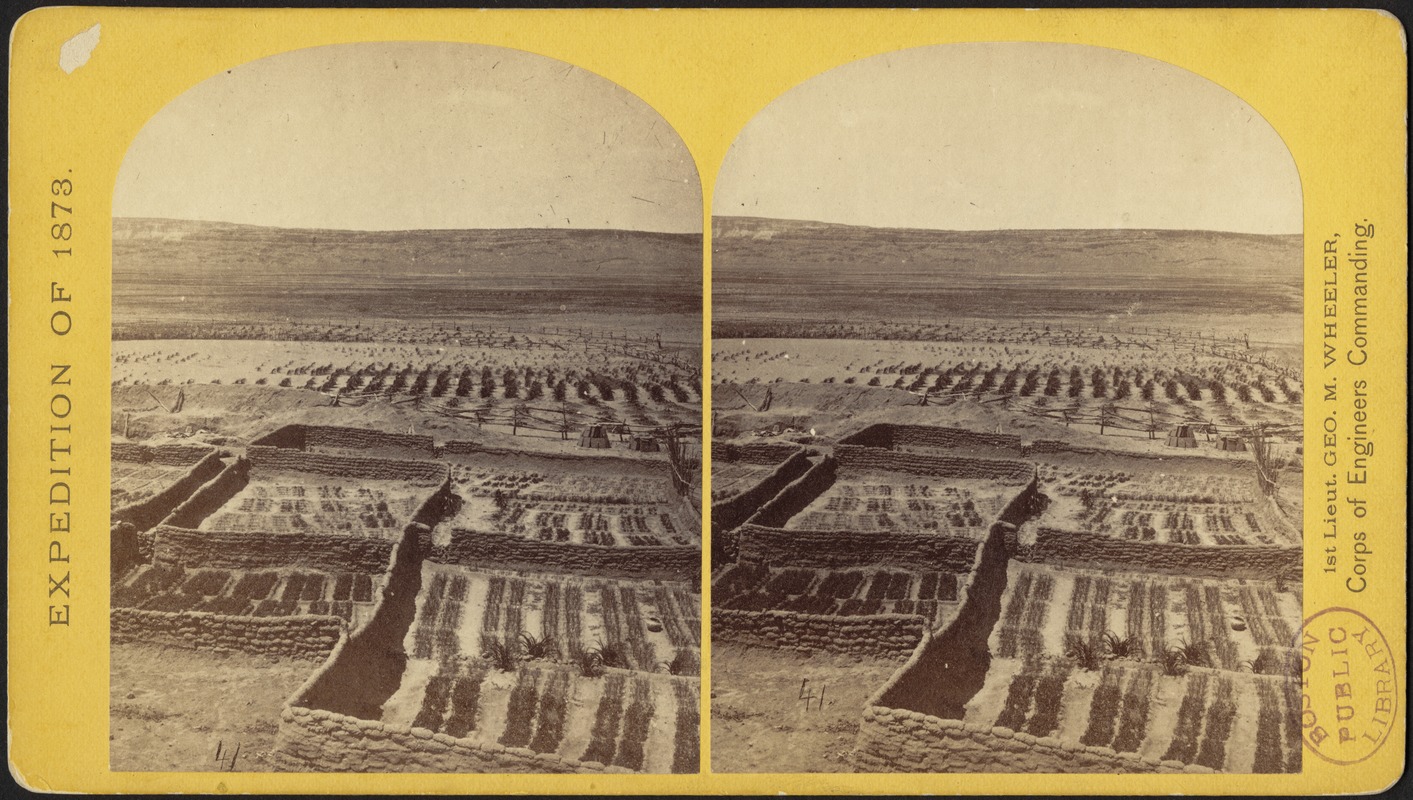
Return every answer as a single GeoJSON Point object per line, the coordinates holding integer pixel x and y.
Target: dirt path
{"type": "Point", "coordinates": [172, 706]}
{"type": "Point", "coordinates": [759, 723]}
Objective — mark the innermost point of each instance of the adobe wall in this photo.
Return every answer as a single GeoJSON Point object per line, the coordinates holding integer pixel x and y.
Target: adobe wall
{"type": "Point", "coordinates": [315, 740]}
{"type": "Point", "coordinates": [933, 466]}
{"type": "Point", "coordinates": [1074, 548]}
{"type": "Point", "coordinates": [480, 550]}
{"type": "Point", "coordinates": [246, 550]}
{"type": "Point", "coordinates": [381, 469]}
{"type": "Point", "coordinates": [896, 740]}
{"type": "Point", "coordinates": [836, 549]}
{"type": "Point", "coordinates": [172, 454]}
{"type": "Point", "coordinates": [147, 513]}
{"type": "Point", "coordinates": [289, 437]}
{"type": "Point", "coordinates": [881, 635]}
{"type": "Point", "coordinates": [211, 496]}
{"type": "Point", "coordinates": [306, 636]}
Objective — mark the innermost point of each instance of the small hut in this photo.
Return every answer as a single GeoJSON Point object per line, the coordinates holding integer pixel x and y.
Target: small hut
{"type": "Point", "coordinates": [595, 436]}
{"type": "Point", "coordinates": [644, 444]}
{"type": "Point", "coordinates": [1182, 436]}
{"type": "Point", "coordinates": [1232, 444]}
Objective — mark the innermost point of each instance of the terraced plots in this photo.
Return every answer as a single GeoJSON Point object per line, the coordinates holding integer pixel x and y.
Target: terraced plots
{"type": "Point", "coordinates": [546, 502]}
{"type": "Point", "coordinates": [286, 592]}
{"type": "Point", "coordinates": [888, 501]}
{"type": "Point", "coordinates": [133, 481]}
{"type": "Point", "coordinates": [280, 502]}
{"type": "Point", "coordinates": [843, 593]}
{"type": "Point", "coordinates": [1218, 507]}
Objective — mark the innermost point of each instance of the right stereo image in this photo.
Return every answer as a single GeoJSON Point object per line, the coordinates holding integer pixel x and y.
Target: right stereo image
{"type": "Point", "coordinates": [1007, 418]}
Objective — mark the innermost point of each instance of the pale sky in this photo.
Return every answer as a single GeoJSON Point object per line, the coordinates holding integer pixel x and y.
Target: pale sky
{"type": "Point", "coordinates": [398, 136]}
{"type": "Point", "coordinates": [1012, 135]}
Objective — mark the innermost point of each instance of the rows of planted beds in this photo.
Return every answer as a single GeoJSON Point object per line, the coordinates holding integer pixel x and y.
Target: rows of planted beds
{"type": "Point", "coordinates": [1203, 620]}
{"type": "Point", "coordinates": [756, 587]}
{"type": "Point", "coordinates": [259, 593]}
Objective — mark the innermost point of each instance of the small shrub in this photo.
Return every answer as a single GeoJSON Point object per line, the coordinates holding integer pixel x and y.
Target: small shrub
{"type": "Point", "coordinates": [684, 662]}
{"type": "Point", "coordinates": [1122, 647]}
{"type": "Point", "coordinates": [613, 654]}
{"type": "Point", "coordinates": [503, 655]}
{"type": "Point", "coordinates": [1196, 654]}
{"type": "Point", "coordinates": [538, 648]}
{"type": "Point", "coordinates": [1174, 662]}
{"type": "Point", "coordinates": [589, 663]}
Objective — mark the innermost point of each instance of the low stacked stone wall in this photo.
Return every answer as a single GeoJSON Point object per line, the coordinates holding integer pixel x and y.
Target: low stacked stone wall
{"type": "Point", "coordinates": [240, 550]}
{"type": "Point", "coordinates": [147, 513]}
{"type": "Point", "coordinates": [730, 512]}
{"type": "Point", "coordinates": [764, 453]}
{"type": "Point", "coordinates": [481, 550]}
{"type": "Point", "coordinates": [855, 457]}
{"type": "Point", "coordinates": [211, 496]}
{"type": "Point", "coordinates": [304, 636]}
{"type": "Point", "coordinates": [881, 635]}
{"type": "Point", "coordinates": [897, 740]}
{"type": "Point", "coordinates": [365, 439]}
{"type": "Point", "coordinates": [796, 495]}
{"type": "Point", "coordinates": [838, 549]}
{"type": "Point", "coordinates": [315, 740]}
{"type": "Point", "coordinates": [1075, 548]}
{"type": "Point", "coordinates": [379, 469]}
{"type": "Point", "coordinates": [172, 455]}
{"type": "Point", "coordinates": [887, 436]}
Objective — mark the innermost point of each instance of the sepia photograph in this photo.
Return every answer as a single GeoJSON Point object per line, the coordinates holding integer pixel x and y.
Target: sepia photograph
{"type": "Point", "coordinates": [406, 421]}
{"type": "Point", "coordinates": [1007, 394]}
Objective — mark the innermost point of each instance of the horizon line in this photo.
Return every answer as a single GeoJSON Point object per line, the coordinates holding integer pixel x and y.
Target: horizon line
{"type": "Point", "coordinates": [715, 217]}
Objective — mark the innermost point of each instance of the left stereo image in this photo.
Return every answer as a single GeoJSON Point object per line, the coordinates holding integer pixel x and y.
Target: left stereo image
{"type": "Point", "coordinates": [406, 434]}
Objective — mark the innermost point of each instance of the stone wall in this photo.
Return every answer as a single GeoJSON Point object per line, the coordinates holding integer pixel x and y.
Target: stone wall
{"type": "Point", "coordinates": [855, 457]}
{"type": "Point", "coordinates": [211, 496]}
{"type": "Point", "coordinates": [315, 740]}
{"type": "Point", "coordinates": [797, 495]}
{"type": "Point", "coordinates": [380, 469]}
{"type": "Point", "coordinates": [881, 635]}
{"type": "Point", "coordinates": [147, 513]}
{"type": "Point", "coordinates": [305, 636]}
{"type": "Point", "coordinates": [888, 435]}
{"type": "Point", "coordinates": [1073, 548]}
{"type": "Point", "coordinates": [734, 510]}
{"type": "Point", "coordinates": [288, 437]}
{"type": "Point", "coordinates": [172, 455]}
{"type": "Point", "coordinates": [365, 439]}
{"type": "Point", "coordinates": [896, 740]}
{"type": "Point", "coordinates": [242, 550]}
{"type": "Point", "coordinates": [763, 453]}
{"type": "Point", "coordinates": [481, 550]}
{"type": "Point", "coordinates": [839, 549]}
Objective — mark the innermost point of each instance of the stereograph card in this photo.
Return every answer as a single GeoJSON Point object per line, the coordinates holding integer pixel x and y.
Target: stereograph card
{"type": "Point", "coordinates": [707, 401]}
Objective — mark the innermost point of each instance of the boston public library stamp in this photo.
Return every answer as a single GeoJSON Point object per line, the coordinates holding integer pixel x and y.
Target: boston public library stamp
{"type": "Point", "coordinates": [707, 401]}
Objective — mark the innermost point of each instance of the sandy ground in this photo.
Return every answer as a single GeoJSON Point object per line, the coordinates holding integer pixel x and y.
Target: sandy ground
{"type": "Point", "coordinates": [171, 707]}
{"type": "Point", "coordinates": [759, 723]}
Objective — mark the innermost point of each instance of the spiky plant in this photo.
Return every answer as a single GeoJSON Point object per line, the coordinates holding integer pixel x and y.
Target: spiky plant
{"type": "Point", "coordinates": [1174, 662]}
{"type": "Point", "coordinates": [1197, 654]}
{"type": "Point", "coordinates": [1122, 647]}
{"type": "Point", "coordinates": [1084, 652]}
{"type": "Point", "coordinates": [589, 663]}
{"type": "Point", "coordinates": [683, 662]}
{"type": "Point", "coordinates": [504, 655]}
{"type": "Point", "coordinates": [538, 648]}
{"type": "Point", "coordinates": [613, 654]}
{"type": "Point", "coordinates": [1267, 662]}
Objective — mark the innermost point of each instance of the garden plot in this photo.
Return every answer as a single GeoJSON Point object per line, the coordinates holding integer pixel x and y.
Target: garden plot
{"type": "Point", "coordinates": [641, 625]}
{"type": "Point", "coordinates": [283, 592]}
{"type": "Point", "coordinates": [646, 723]}
{"type": "Point", "coordinates": [844, 593]}
{"type": "Point", "coordinates": [896, 501]}
{"type": "Point", "coordinates": [134, 481]}
{"type": "Point", "coordinates": [1235, 722]}
{"type": "Point", "coordinates": [1181, 508]}
{"type": "Point", "coordinates": [1229, 625]}
{"type": "Point", "coordinates": [289, 502]}
{"type": "Point", "coordinates": [574, 507]}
